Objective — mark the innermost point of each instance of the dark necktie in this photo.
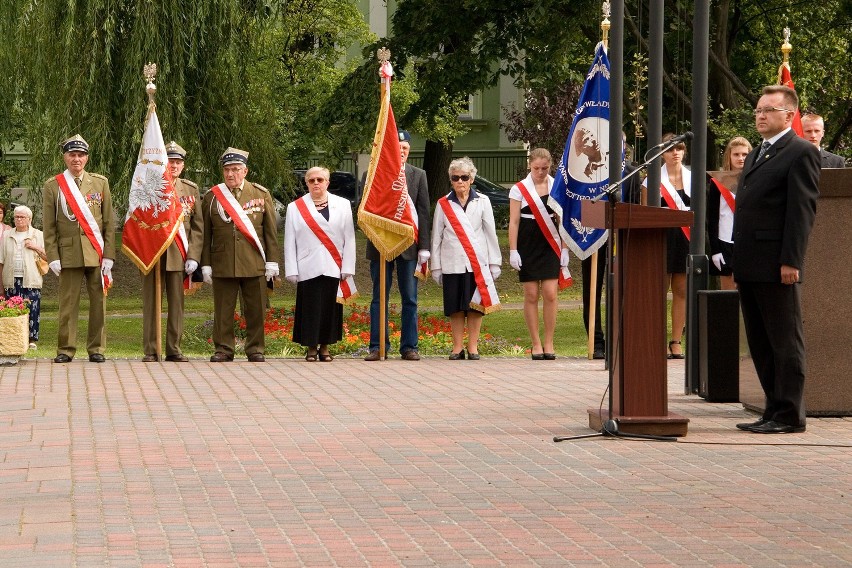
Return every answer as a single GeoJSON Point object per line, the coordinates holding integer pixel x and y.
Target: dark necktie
{"type": "Point", "coordinates": [78, 181]}
{"type": "Point", "coordinates": [763, 148]}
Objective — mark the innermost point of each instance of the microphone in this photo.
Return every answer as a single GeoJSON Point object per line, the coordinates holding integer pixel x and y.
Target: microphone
{"type": "Point", "coordinates": [680, 138]}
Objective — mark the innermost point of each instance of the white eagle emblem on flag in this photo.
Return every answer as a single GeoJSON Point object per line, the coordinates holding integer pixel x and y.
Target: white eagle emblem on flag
{"type": "Point", "coordinates": [149, 193]}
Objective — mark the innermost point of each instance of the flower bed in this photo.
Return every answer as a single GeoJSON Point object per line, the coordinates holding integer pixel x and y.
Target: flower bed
{"type": "Point", "coordinates": [434, 335]}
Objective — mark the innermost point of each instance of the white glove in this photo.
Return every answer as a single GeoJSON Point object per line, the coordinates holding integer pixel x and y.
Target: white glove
{"type": "Point", "coordinates": [293, 278]}
{"type": "Point", "coordinates": [207, 274]}
{"type": "Point", "coordinates": [345, 275]}
{"type": "Point", "coordinates": [564, 258]}
{"type": "Point", "coordinates": [514, 259]}
{"type": "Point", "coordinates": [495, 271]}
{"type": "Point", "coordinates": [190, 266]}
{"type": "Point", "coordinates": [423, 256]}
{"type": "Point", "coordinates": [271, 270]}
{"type": "Point", "coordinates": [56, 267]}
{"type": "Point", "coordinates": [718, 260]}
{"type": "Point", "coordinates": [436, 276]}
{"type": "Point", "coordinates": [106, 266]}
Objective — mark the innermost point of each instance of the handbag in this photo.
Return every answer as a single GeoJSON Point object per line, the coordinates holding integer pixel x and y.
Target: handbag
{"type": "Point", "coordinates": [41, 264]}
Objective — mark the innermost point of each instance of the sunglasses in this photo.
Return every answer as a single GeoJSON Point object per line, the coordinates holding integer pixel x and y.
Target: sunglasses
{"type": "Point", "coordinates": [316, 180]}
{"type": "Point", "coordinates": [464, 177]}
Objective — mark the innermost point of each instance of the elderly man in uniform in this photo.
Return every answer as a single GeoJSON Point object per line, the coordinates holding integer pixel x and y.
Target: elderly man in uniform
{"type": "Point", "coordinates": [406, 265]}
{"type": "Point", "coordinates": [813, 128]}
{"type": "Point", "coordinates": [172, 267]}
{"type": "Point", "coordinates": [240, 241]}
{"type": "Point", "coordinates": [79, 237]}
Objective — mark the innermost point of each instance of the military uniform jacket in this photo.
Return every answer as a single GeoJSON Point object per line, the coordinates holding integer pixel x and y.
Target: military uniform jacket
{"type": "Point", "coordinates": [776, 206]}
{"type": "Point", "coordinates": [64, 239]}
{"type": "Point", "coordinates": [226, 249]}
{"type": "Point", "coordinates": [193, 224]}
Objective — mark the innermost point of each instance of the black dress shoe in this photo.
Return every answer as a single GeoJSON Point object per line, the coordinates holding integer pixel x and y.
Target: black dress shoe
{"type": "Point", "coordinates": [149, 359]}
{"type": "Point", "coordinates": [473, 356]}
{"type": "Point", "coordinates": [179, 358]}
{"type": "Point", "coordinates": [220, 357]}
{"type": "Point", "coordinates": [549, 356]}
{"type": "Point", "coordinates": [410, 355]}
{"type": "Point", "coordinates": [457, 356]}
{"type": "Point", "coordinates": [773, 427]}
{"type": "Point", "coordinates": [62, 358]}
{"type": "Point", "coordinates": [256, 358]}
{"type": "Point", "coordinates": [599, 354]}
{"type": "Point", "coordinates": [747, 426]}
{"type": "Point", "coordinates": [97, 358]}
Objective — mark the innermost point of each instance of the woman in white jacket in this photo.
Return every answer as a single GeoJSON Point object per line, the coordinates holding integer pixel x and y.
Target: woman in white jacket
{"type": "Point", "coordinates": [465, 257]}
{"type": "Point", "coordinates": [319, 257]}
{"type": "Point", "coordinates": [19, 248]}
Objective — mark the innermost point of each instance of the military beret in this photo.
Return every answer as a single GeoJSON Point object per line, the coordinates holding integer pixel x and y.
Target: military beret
{"type": "Point", "coordinates": [234, 156]}
{"type": "Point", "coordinates": [404, 136]}
{"type": "Point", "coordinates": [173, 150]}
{"type": "Point", "coordinates": [75, 144]}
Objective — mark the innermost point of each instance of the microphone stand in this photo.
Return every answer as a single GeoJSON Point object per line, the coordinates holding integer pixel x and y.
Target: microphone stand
{"type": "Point", "coordinates": [610, 427]}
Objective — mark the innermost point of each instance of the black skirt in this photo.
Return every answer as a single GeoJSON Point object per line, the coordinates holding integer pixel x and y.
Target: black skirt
{"type": "Point", "coordinates": [458, 291]}
{"type": "Point", "coordinates": [318, 317]}
{"type": "Point", "coordinates": [677, 245]}
{"type": "Point", "coordinates": [538, 261]}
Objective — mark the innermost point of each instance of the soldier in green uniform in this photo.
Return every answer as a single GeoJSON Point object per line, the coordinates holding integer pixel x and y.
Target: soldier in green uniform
{"type": "Point", "coordinates": [72, 242]}
{"type": "Point", "coordinates": [240, 253]}
{"type": "Point", "coordinates": [172, 267]}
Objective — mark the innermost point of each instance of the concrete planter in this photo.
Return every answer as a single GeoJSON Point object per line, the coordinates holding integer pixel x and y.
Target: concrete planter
{"type": "Point", "coordinates": [14, 338]}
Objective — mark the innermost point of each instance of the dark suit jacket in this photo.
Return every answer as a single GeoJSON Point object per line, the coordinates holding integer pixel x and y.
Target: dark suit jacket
{"type": "Point", "coordinates": [830, 160]}
{"type": "Point", "coordinates": [415, 178]}
{"type": "Point", "coordinates": [776, 205]}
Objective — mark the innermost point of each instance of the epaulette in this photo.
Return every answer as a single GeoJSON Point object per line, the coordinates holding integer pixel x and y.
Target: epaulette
{"type": "Point", "coordinates": [260, 187]}
{"type": "Point", "coordinates": [189, 183]}
{"type": "Point", "coordinates": [99, 176]}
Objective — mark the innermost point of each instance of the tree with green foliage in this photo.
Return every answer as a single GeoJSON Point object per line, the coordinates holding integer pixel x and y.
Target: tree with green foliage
{"type": "Point", "coordinates": [231, 73]}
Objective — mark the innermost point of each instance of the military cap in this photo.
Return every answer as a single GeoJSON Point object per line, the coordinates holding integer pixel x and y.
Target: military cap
{"type": "Point", "coordinates": [173, 150]}
{"type": "Point", "coordinates": [404, 136]}
{"type": "Point", "coordinates": [234, 156]}
{"type": "Point", "coordinates": [75, 144]}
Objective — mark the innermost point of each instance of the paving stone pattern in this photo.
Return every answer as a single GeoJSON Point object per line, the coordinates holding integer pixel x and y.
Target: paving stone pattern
{"type": "Point", "coordinates": [429, 463]}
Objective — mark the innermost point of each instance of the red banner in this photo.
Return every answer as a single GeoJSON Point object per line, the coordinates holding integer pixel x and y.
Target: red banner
{"type": "Point", "coordinates": [386, 214]}
{"type": "Point", "coordinates": [786, 79]}
{"type": "Point", "coordinates": [154, 214]}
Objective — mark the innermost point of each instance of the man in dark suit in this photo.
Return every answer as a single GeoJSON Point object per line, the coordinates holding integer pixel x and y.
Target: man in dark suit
{"type": "Point", "coordinates": [776, 206]}
{"type": "Point", "coordinates": [813, 127]}
{"type": "Point", "coordinates": [406, 263]}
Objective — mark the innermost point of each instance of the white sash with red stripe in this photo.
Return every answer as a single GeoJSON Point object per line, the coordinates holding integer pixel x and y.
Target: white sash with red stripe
{"type": "Point", "coordinates": [545, 223]}
{"type": "Point", "coordinates": [73, 197]}
{"type": "Point", "coordinates": [231, 210]}
{"type": "Point", "coordinates": [671, 196]}
{"type": "Point", "coordinates": [485, 298]}
{"type": "Point", "coordinates": [346, 291]}
{"type": "Point", "coordinates": [727, 207]}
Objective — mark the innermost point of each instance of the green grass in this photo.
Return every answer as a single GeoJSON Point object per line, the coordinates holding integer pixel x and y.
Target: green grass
{"type": "Point", "coordinates": [124, 321]}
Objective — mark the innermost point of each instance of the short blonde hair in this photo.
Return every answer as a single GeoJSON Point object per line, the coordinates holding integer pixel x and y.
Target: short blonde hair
{"type": "Point", "coordinates": [464, 164]}
{"type": "Point", "coordinates": [325, 172]}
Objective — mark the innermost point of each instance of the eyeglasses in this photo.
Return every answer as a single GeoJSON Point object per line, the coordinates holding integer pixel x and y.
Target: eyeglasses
{"type": "Point", "coordinates": [464, 177]}
{"type": "Point", "coordinates": [767, 110]}
{"type": "Point", "coordinates": [316, 180]}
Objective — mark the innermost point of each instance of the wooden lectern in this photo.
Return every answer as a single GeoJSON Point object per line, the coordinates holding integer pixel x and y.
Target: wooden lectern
{"type": "Point", "coordinates": [638, 329]}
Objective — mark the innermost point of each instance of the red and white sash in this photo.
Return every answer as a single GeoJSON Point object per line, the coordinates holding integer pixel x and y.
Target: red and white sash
{"type": "Point", "coordinates": [485, 298]}
{"type": "Point", "coordinates": [671, 196]}
{"type": "Point", "coordinates": [235, 211]}
{"type": "Point", "coordinates": [727, 207]}
{"type": "Point", "coordinates": [74, 198]}
{"type": "Point", "coordinates": [545, 224]}
{"type": "Point", "coordinates": [346, 290]}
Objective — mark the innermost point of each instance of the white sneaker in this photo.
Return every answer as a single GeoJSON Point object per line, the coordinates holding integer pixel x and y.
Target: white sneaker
{"type": "Point", "coordinates": [33, 346]}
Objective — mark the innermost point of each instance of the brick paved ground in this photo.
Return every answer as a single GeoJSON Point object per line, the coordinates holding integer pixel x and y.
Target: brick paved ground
{"type": "Point", "coordinates": [434, 463]}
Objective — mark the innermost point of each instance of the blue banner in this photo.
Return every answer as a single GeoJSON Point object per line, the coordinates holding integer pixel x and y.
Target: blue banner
{"type": "Point", "coordinates": [583, 172]}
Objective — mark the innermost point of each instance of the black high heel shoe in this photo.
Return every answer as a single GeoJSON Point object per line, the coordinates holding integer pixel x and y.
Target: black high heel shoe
{"type": "Point", "coordinates": [673, 355]}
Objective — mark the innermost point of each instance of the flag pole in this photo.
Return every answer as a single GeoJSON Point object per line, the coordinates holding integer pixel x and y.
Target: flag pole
{"type": "Point", "coordinates": [383, 56]}
{"type": "Point", "coordinates": [593, 272]}
{"type": "Point", "coordinates": [150, 74]}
